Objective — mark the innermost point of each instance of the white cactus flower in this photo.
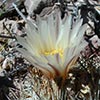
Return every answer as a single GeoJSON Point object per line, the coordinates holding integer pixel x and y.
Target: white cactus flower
{"type": "Point", "coordinates": [52, 44]}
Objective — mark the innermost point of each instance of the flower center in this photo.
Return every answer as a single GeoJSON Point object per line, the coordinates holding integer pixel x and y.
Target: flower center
{"type": "Point", "coordinates": [53, 52]}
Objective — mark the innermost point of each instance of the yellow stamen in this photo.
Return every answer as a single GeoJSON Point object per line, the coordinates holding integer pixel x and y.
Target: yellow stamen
{"type": "Point", "coordinates": [54, 51]}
